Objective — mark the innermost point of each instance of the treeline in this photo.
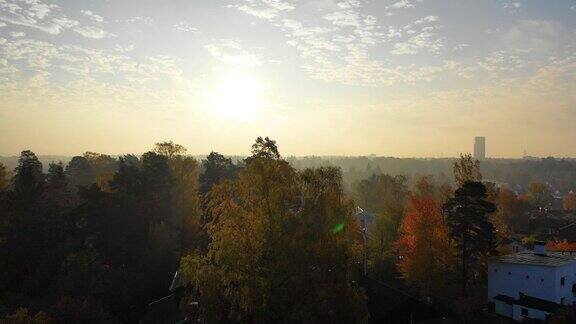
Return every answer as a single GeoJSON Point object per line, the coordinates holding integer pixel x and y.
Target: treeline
{"type": "Point", "coordinates": [517, 174]}
{"type": "Point", "coordinates": [258, 240]}
{"type": "Point", "coordinates": [559, 174]}
{"type": "Point", "coordinates": [98, 239]}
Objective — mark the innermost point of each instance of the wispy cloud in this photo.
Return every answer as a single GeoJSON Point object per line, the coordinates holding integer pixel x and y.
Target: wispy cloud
{"type": "Point", "coordinates": [404, 4]}
{"type": "Point", "coordinates": [92, 32]}
{"type": "Point", "coordinates": [511, 6]}
{"type": "Point", "coordinates": [426, 39]}
{"type": "Point", "coordinates": [231, 52]}
{"type": "Point", "coordinates": [94, 17]}
{"type": "Point", "coordinates": [265, 9]}
{"type": "Point", "coordinates": [141, 19]}
{"type": "Point", "coordinates": [47, 18]}
{"type": "Point", "coordinates": [184, 26]}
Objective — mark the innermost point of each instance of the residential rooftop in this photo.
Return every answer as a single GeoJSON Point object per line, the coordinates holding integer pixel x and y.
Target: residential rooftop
{"type": "Point", "coordinates": [550, 259]}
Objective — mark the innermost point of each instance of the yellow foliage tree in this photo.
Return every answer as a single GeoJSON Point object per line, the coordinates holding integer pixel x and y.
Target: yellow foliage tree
{"type": "Point", "coordinates": [283, 244]}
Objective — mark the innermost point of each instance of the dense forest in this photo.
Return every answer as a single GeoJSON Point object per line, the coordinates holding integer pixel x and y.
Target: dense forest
{"type": "Point", "coordinates": [558, 173]}
{"type": "Point", "coordinates": [258, 239]}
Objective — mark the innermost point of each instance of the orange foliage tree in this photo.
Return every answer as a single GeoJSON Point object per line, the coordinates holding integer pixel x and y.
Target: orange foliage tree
{"type": "Point", "coordinates": [560, 246]}
{"type": "Point", "coordinates": [424, 245]}
{"type": "Point", "coordinates": [569, 201]}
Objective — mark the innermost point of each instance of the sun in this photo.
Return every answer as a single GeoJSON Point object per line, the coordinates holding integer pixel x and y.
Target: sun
{"type": "Point", "coordinates": [238, 96]}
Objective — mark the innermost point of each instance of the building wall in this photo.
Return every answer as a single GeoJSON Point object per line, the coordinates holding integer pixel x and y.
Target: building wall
{"type": "Point", "coordinates": [569, 272]}
{"type": "Point", "coordinates": [503, 309]}
{"type": "Point", "coordinates": [480, 147]}
{"type": "Point", "coordinates": [500, 282]}
{"type": "Point", "coordinates": [532, 313]}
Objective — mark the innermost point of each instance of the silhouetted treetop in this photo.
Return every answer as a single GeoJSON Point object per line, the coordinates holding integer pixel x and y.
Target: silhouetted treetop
{"type": "Point", "coordinates": [265, 148]}
{"type": "Point", "coordinates": [169, 149]}
{"type": "Point", "coordinates": [466, 169]}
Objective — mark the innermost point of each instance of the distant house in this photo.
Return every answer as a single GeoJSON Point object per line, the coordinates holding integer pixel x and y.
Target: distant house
{"type": "Point", "coordinates": [513, 245]}
{"type": "Point", "coordinates": [531, 284]}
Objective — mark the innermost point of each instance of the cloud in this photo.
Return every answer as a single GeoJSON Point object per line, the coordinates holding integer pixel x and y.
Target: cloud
{"type": "Point", "coordinates": [265, 9]}
{"type": "Point", "coordinates": [93, 74]}
{"type": "Point", "coordinates": [231, 52]}
{"type": "Point", "coordinates": [426, 20]}
{"type": "Point", "coordinates": [141, 19]}
{"type": "Point", "coordinates": [183, 26]}
{"type": "Point", "coordinates": [511, 6]}
{"type": "Point", "coordinates": [48, 18]}
{"type": "Point", "coordinates": [92, 32]}
{"type": "Point", "coordinates": [33, 14]}
{"type": "Point", "coordinates": [404, 4]}
{"type": "Point", "coordinates": [94, 17]}
{"type": "Point", "coordinates": [426, 39]}
{"type": "Point", "coordinates": [349, 4]}
{"type": "Point", "coordinates": [460, 47]}
{"type": "Point", "coordinates": [17, 34]}
{"type": "Point", "coordinates": [536, 35]}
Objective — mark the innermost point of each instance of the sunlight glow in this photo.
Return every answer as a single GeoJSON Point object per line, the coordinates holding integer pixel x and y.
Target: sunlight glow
{"type": "Point", "coordinates": [237, 96]}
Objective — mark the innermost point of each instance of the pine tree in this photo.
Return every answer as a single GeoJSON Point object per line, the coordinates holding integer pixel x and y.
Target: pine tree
{"type": "Point", "coordinates": [467, 217]}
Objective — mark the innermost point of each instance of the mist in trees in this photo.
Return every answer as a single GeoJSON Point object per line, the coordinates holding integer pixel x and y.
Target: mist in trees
{"type": "Point", "coordinates": [281, 240]}
{"type": "Point", "coordinates": [100, 238]}
{"type": "Point", "coordinates": [263, 239]}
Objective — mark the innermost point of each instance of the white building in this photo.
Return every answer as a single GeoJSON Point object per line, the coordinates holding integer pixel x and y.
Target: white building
{"type": "Point", "coordinates": [531, 284]}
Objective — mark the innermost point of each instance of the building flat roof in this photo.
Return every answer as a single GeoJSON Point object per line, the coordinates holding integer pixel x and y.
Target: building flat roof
{"type": "Point", "coordinates": [551, 259]}
{"type": "Point", "coordinates": [537, 303]}
{"type": "Point", "coordinates": [530, 302]}
{"type": "Point", "coordinates": [504, 298]}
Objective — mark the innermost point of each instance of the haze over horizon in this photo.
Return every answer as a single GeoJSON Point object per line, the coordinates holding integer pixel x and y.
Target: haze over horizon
{"type": "Point", "coordinates": [405, 78]}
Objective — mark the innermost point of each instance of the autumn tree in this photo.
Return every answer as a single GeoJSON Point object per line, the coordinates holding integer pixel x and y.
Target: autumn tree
{"type": "Point", "coordinates": [424, 245]}
{"type": "Point", "coordinates": [466, 169]}
{"type": "Point", "coordinates": [382, 256]}
{"type": "Point", "coordinates": [385, 197]}
{"type": "Point", "coordinates": [102, 167]}
{"type": "Point", "coordinates": [445, 192]}
{"type": "Point", "coordinates": [563, 245]}
{"type": "Point", "coordinates": [283, 244]}
{"type": "Point", "coordinates": [169, 149]}
{"type": "Point", "coordinates": [3, 177]}
{"type": "Point", "coordinates": [184, 171]}
{"type": "Point", "coordinates": [569, 201]}
{"type": "Point", "coordinates": [22, 316]}
{"type": "Point", "coordinates": [265, 148]}
{"type": "Point", "coordinates": [383, 194]}
{"type": "Point", "coordinates": [424, 187]}
{"type": "Point", "coordinates": [217, 168]}
{"type": "Point", "coordinates": [538, 194]}
{"type": "Point", "coordinates": [511, 211]}
{"type": "Point", "coordinates": [80, 173]}
{"type": "Point", "coordinates": [467, 217]}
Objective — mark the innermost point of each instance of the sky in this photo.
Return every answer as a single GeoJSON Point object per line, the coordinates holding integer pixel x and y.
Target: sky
{"type": "Point", "coordinates": [406, 78]}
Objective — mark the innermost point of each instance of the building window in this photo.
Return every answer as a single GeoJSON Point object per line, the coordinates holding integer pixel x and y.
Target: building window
{"type": "Point", "coordinates": [562, 281]}
{"type": "Point", "coordinates": [509, 273]}
{"type": "Point", "coordinates": [527, 277]}
{"type": "Point", "coordinates": [524, 311]}
{"type": "Point", "coordinates": [495, 270]}
{"type": "Point", "coordinates": [542, 280]}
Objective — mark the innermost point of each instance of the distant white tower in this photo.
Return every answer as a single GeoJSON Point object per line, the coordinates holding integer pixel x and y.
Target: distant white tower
{"type": "Point", "coordinates": [480, 147]}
